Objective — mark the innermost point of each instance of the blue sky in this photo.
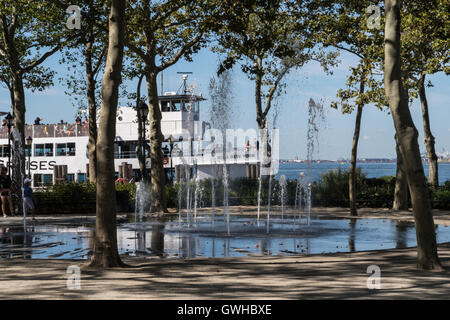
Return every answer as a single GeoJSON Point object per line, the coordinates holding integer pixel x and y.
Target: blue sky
{"type": "Point", "coordinates": [308, 82]}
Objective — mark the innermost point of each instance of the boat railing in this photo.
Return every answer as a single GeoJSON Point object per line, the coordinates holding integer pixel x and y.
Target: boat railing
{"type": "Point", "coordinates": [125, 155]}
{"type": "Point", "coordinates": [236, 155]}
{"type": "Point", "coordinates": [51, 130]}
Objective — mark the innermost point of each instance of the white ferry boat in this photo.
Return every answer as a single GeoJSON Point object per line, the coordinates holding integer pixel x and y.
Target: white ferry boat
{"type": "Point", "coordinates": [193, 146]}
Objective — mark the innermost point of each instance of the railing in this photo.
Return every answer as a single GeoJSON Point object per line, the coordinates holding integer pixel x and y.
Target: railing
{"type": "Point", "coordinates": [125, 155]}
{"type": "Point", "coordinates": [208, 156]}
{"type": "Point", "coordinates": [51, 130]}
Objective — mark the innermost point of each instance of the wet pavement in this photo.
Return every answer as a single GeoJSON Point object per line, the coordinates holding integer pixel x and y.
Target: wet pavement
{"type": "Point", "coordinates": [202, 237]}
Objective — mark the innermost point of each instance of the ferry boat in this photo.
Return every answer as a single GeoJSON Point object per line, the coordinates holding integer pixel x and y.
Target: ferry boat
{"type": "Point", "coordinates": [190, 146]}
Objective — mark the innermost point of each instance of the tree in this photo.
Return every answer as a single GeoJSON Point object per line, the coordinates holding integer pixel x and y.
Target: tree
{"type": "Point", "coordinates": [105, 241]}
{"type": "Point", "coordinates": [30, 32]}
{"type": "Point", "coordinates": [425, 51]}
{"type": "Point", "coordinates": [89, 49]}
{"type": "Point", "coordinates": [346, 26]}
{"type": "Point", "coordinates": [268, 39]}
{"type": "Point", "coordinates": [160, 34]}
{"type": "Point", "coordinates": [427, 257]}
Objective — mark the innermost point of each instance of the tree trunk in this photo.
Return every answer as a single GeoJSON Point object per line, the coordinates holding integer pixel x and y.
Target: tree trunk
{"type": "Point", "coordinates": [105, 243]}
{"type": "Point", "coordinates": [18, 158]}
{"type": "Point", "coordinates": [18, 105]}
{"type": "Point", "coordinates": [156, 139]}
{"type": "Point", "coordinates": [141, 150]}
{"type": "Point", "coordinates": [260, 119]}
{"type": "Point", "coordinates": [429, 138]}
{"type": "Point", "coordinates": [92, 114]}
{"type": "Point", "coordinates": [401, 183]}
{"type": "Point", "coordinates": [427, 257]}
{"type": "Point", "coordinates": [354, 157]}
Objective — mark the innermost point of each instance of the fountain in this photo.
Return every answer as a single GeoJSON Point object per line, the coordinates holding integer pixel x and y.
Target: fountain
{"type": "Point", "coordinates": [179, 196]}
{"type": "Point", "coordinates": [308, 204]}
{"type": "Point", "coordinates": [269, 198]}
{"type": "Point", "coordinates": [197, 192]}
{"type": "Point", "coordinates": [213, 194]}
{"type": "Point", "coordinates": [221, 112]}
{"type": "Point", "coordinates": [299, 196]}
{"type": "Point", "coordinates": [142, 199]}
{"type": "Point", "coordinates": [283, 193]}
{"type": "Point", "coordinates": [187, 170]}
{"type": "Point", "coordinates": [225, 195]}
{"type": "Point", "coordinates": [315, 117]}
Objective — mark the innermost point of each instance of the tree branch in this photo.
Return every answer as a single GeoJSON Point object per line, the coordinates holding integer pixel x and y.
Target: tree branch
{"type": "Point", "coordinates": [41, 59]}
{"type": "Point", "coordinates": [274, 89]}
{"type": "Point", "coordinates": [100, 60]}
{"type": "Point", "coordinates": [348, 50]}
{"type": "Point", "coordinates": [180, 53]}
{"type": "Point", "coordinates": [136, 50]}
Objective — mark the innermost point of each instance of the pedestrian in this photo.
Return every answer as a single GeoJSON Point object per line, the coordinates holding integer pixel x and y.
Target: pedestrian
{"type": "Point", "coordinates": [5, 191]}
{"type": "Point", "coordinates": [28, 197]}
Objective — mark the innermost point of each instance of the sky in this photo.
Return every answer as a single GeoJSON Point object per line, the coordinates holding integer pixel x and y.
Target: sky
{"type": "Point", "coordinates": [335, 135]}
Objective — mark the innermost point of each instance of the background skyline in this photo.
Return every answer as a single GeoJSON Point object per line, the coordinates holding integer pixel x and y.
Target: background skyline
{"type": "Point", "coordinates": [335, 136]}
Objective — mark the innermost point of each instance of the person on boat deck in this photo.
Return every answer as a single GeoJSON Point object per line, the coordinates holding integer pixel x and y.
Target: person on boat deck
{"type": "Point", "coordinates": [78, 120]}
{"type": "Point", "coordinates": [37, 121]}
{"type": "Point", "coordinates": [5, 191]}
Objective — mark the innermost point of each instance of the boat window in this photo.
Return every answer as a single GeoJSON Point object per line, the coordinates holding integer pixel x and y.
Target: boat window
{"type": "Point", "coordinates": [42, 179]}
{"type": "Point", "coordinates": [70, 177]}
{"type": "Point", "coordinates": [81, 177]}
{"type": "Point", "coordinates": [47, 179]}
{"type": "Point", "coordinates": [4, 151]}
{"type": "Point", "coordinates": [61, 149]}
{"type": "Point", "coordinates": [126, 149]}
{"type": "Point", "coordinates": [71, 149]}
{"type": "Point", "coordinates": [48, 149]}
{"type": "Point", "coordinates": [39, 150]}
{"type": "Point", "coordinates": [176, 105]}
{"type": "Point", "coordinates": [27, 151]}
{"type": "Point", "coordinates": [165, 106]}
{"type": "Point", "coordinates": [65, 149]}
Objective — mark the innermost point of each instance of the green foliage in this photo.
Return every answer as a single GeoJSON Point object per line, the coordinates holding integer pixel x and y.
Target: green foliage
{"type": "Point", "coordinates": [128, 187]}
{"type": "Point", "coordinates": [78, 198]}
{"type": "Point", "coordinates": [345, 26]}
{"type": "Point", "coordinates": [66, 198]}
{"type": "Point", "coordinates": [440, 197]}
{"type": "Point", "coordinates": [268, 40]}
{"type": "Point", "coordinates": [425, 44]}
{"type": "Point", "coordinates": [31, 32]}
{"type": "Point", "coordinates": [333, 190]}
{"type": "Point", "coordinates": [330, 190]}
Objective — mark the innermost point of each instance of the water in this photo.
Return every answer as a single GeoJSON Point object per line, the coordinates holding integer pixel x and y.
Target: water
{"type": "Point", "coordinates": [372, 170]}
{"type": "Point", "coordinates": [169, 239]}
{"type": "Point", "coordinates": [142, 200]}
{"type": "Point", "coordinates": [283, 193]}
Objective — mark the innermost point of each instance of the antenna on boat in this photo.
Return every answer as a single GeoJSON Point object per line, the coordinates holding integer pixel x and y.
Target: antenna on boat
{"type": "Point", "coordinates": [185, 77]}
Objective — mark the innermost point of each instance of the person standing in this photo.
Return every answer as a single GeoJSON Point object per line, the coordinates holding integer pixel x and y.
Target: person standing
{"type": "Point", "coordinates": [5, 191]}
{"type": "Point", "coordinates": [28, 197]}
